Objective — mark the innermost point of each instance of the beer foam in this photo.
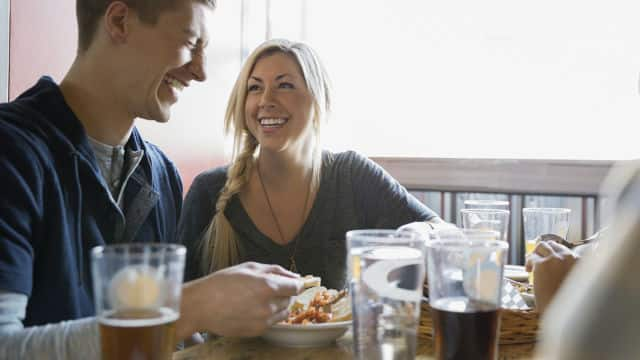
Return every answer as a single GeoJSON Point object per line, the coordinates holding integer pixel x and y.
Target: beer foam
{"type": "Point", "coordinates": [165, 315]}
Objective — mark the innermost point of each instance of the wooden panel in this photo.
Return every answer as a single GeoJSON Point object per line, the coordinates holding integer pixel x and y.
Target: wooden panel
{"type": "Point", "coordinates": [543, 177]}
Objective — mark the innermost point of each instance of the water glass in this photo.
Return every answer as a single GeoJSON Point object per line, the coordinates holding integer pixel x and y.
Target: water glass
{"type": "Point", "coordinates": [465, 283]}
{"type": "Point", "coordinates": [137, 289]}
{"type": "Point", "coordinates": [386, 270]}
{"type": "Point", "coordinates": [487, 220]}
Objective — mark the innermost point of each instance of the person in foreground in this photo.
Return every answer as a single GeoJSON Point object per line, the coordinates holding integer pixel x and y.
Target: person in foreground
{"type": "Point", "coordinates": [283, 199]}
{"type": "Point", "coordinates": [77, 174]}
{"type": "Point", "coordinates": [592, 316]}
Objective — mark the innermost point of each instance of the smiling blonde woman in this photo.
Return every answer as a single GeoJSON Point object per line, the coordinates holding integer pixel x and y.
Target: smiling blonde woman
{"type": "Point", "coordinates": [283, 199]}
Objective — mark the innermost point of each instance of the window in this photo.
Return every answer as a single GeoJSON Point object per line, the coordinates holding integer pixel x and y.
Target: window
{"type": "Point", "coordinates": [492, 79]}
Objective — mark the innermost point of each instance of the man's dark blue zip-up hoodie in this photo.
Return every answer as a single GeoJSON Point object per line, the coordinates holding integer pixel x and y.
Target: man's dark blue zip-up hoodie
{"type": "Point", "coordinates": [55, 206]}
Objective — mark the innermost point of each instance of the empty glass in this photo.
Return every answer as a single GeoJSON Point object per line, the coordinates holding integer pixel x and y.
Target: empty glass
{"type": "Point", "coordinates": [487, 220]}
{"type": "Point", "coordinates": [486, 204]}
{"type": "Point", "coordinates": [387, 271]}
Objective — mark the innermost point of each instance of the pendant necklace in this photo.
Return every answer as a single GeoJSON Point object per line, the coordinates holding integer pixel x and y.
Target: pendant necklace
{"type": "Point", "coordinates": [292, 254]}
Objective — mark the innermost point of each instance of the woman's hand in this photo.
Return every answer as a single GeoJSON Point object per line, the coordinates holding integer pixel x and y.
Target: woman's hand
{"type": "Point", "coordinates": [550, 263]}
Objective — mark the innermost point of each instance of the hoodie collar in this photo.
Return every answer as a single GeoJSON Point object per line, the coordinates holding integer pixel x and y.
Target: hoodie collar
{"type": "Point", "coordinates": [61, 125]}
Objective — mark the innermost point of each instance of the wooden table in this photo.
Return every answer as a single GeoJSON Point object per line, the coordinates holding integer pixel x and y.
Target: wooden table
{"type": "Point", "coordinates": [257, 348]}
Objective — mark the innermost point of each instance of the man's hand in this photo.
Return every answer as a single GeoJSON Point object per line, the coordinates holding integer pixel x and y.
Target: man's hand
{"type": "Point", "coordinates": [550, 263]}
{"type": "Point", "coordinates": [424, 227]}
{"type": "Point", "coordinates": [243, 300]}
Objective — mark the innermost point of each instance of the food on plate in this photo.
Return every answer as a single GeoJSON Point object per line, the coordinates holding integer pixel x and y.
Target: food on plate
{"type": "Point", "coordinates": [311, 281]}
{"type": "Point", "coordinates": [317, 304]}
{"type": "Point", "coordinates": [523, 288]}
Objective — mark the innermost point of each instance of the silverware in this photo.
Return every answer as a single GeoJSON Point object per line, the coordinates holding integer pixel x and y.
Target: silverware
{"type": "Point", "coordinates": [560, 240]}
{"type": "Point", "coordinates": [519, 284]}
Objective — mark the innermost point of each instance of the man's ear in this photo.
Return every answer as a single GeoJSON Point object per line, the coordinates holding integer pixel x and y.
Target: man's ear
{"type": "Point", "coordinates": [116, 21]}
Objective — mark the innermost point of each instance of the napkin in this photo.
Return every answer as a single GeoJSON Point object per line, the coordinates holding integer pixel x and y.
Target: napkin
{"type": "Point", "coordinates": [511, 298]}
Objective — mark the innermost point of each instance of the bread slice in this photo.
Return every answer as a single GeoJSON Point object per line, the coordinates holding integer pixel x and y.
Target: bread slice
{"type": "Point", "coordinates": [341, 310]}
{"type": "Point", "coordinates": [311, 281]}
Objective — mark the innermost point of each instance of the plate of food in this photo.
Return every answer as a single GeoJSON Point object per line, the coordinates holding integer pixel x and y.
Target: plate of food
{"type": "Point", "coordinates": [516, 272]}
{"type": "Point", "coordinates": [317, 317]}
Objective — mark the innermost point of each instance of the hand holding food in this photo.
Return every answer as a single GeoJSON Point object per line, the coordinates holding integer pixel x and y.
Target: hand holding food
{"type": "Point", "coordinates": [318, 304]}
{"type": "Point", "coordinates": [550, 263]}
{"type": "Point", "coordinates": [242, 300]}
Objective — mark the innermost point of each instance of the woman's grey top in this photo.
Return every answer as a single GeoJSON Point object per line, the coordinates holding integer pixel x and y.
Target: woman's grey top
{"type": "Point", "coordinates": [354, 193]}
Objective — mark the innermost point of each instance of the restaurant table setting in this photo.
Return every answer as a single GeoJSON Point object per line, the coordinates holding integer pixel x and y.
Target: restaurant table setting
{"type": "Point", "coordinates": [445, 294]}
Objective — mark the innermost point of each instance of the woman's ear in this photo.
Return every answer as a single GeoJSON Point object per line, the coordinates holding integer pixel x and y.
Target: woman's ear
{"type": "Point", "coordinates": [116, 21]}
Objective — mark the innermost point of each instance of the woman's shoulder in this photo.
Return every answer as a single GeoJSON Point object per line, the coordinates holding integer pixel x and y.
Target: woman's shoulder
{"type": "Point", "coordinates": [345, 159]}
{"type": "Point", "coordinates": [210, 180]}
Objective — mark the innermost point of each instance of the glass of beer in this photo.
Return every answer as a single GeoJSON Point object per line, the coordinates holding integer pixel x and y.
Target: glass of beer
{"type": "Point", "coordinates": [486, 219]}
{"type": "Point", "coordinates": [542, 221]}
{"type": "Point", "coordinates": [386, 270]}
{"type": "Point", "coordinates": [465, 282]}
{"type": "Point", "coordinates": [137, 290]}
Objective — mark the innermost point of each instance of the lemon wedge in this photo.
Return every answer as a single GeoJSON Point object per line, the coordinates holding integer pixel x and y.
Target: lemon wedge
{"type": "Point", "coordinates": [135, 287]}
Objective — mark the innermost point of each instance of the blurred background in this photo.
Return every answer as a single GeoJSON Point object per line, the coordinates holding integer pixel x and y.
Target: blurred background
{"type": "Point", "coordinates": [497, 79]}
{"type": "Point", "coordinates": [493, 79]}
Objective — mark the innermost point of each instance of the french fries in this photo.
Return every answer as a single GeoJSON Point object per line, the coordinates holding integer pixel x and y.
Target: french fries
{"type": "Point", "coordinates": [318, 305]}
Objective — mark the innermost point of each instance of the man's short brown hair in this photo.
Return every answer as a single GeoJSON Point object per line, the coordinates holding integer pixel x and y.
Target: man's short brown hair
{"type": "Point", "coordinates": [89, 13]}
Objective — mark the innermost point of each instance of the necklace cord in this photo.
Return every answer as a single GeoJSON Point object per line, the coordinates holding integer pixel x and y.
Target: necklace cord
{"type": "Point", "coordinates": [292, 265]}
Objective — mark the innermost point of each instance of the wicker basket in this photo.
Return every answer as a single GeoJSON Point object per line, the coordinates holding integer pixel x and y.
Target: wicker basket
{"type": "Point", "coordinates": [516, 326]}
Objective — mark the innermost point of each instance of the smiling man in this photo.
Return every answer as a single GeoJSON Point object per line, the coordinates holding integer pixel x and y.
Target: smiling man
{"type": "Point", "coordinates": [76, 174]}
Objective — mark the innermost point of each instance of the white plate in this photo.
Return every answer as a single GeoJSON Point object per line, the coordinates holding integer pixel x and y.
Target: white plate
{"type": "Point", "coordinates": [311, 335]}
{"type": "Point", "coordinates": [529, 299]}
{"type": "Point", "coordinates": [516, 272]}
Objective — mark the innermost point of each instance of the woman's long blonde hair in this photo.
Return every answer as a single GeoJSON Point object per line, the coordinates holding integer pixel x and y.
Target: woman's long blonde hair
{"type": "Point", "coordinates": [219, 245]}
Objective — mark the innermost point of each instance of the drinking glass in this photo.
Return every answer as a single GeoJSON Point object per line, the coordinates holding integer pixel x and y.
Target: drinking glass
{"type": "Point", "coordinates": [486, 204]}
{"type": "Point", "coordinates": [387, 271]}
{"type": "Point", "coordinates": [465, 283]}
{"type": "Point", "coordinates": [486, 219]}
{"type": "Point", "coordinates": [541, 221]}
{"type": "Point", "coordinates": [137, 289]}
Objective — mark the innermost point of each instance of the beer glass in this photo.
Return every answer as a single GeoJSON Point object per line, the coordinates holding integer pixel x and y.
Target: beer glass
{"type": "Point", "coordinates": [465, 283]}
{"type": "Point", "coordinates": [486, 219]}
{"type": "Point", "coordinates": [541, 221]}
{"type": "Point", "coordinates": [137, 290]}
{"type": "Point", "coordinates": [387, 271]}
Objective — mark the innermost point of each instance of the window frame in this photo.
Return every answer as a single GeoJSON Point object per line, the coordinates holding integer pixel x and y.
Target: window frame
{"type": "Point", "coordinates": [5, 30]}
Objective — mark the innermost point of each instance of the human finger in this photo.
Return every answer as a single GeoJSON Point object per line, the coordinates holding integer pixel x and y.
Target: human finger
{"type": "Point", "coordinates": [277, 317]}
{"type": "Point", "coordinates": [532, 259]}
{"type": "Point", "coordinates": [278, 304]}
{"type": "Point", "coordinates": [543, 249]}
{"type": "Point", "coordinates": [285, 286]}
{"type": "Point", "coordinates": [558, 248]}
{"type": "Point", "coordinates": [279, 270]}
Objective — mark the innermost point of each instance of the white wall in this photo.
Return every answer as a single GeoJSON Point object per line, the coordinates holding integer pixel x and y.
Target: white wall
{"type": "Point", "coordinates": [468, 78]}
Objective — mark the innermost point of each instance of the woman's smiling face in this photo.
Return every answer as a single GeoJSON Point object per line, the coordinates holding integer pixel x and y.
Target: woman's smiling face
{"type": "Point", "coordinates": [278, 106]}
